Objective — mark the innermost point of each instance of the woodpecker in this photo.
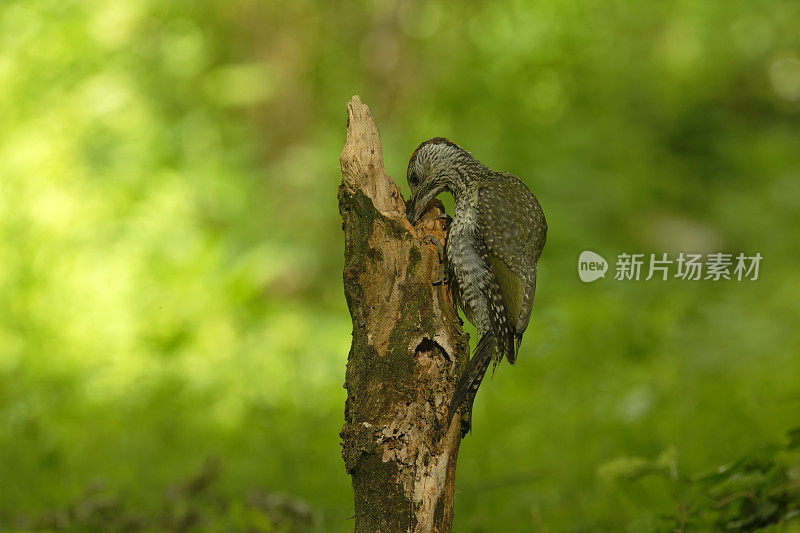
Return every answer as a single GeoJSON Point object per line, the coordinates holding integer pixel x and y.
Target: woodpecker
{"type": "Point", "coordinates": [495, 238]}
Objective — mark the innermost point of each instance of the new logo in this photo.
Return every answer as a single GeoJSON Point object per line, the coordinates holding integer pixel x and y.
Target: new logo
{"type": "Point", "coordinates": [591, 266]}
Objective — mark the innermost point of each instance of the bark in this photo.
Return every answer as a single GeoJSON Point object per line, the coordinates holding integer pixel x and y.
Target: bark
{"type": "Point", "coordinates": [408, 349]}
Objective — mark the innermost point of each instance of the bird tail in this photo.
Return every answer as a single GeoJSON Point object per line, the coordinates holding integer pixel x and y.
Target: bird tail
{"type": "Point", "coordinates": [471, 379]}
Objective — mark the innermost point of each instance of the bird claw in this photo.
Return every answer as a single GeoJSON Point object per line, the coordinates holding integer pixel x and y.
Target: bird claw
{"type": "Point", "coordinates": [439, 247]}
{"type": "Point", "coordinates": [440, 250]}
{"type": "Point", "coordinates": [447, 219]}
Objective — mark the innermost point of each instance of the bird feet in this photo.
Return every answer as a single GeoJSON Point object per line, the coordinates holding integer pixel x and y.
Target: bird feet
{"type": "Point", "coordinates": [440, 250]}
{"type": "Point", "coordinates": [439, 247]}
{"type": "Point", "coordinates": [446, 272]}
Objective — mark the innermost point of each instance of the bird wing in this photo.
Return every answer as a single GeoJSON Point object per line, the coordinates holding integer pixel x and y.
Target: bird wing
{"type": "Point", "coordinates": [514, 232]}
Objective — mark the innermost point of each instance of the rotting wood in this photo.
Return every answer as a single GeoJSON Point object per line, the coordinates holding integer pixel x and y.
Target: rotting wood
{"type": "Point", "coordinates": [407, 349]}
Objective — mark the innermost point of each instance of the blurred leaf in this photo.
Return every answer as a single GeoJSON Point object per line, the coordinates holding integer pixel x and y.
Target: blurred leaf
{"type": "Point", "coordinates": [794, 438]}
{"type": "Point", "coordinates": [630, 468]}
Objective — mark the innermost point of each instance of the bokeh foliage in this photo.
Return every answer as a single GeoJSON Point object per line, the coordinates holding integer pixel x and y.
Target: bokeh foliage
{"type": "Point", "coordinates": [170, 257]}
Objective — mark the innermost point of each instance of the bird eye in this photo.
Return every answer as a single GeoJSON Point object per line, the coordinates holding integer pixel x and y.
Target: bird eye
{"type": "Point", "coordinates": [413, 179]}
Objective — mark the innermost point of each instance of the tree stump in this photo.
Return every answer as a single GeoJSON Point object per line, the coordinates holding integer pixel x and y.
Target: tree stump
{"type": "Point", "coordinates": [407, 352]}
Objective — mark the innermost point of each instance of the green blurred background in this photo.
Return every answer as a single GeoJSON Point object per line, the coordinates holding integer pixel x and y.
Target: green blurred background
{"type": "Point", "coordinates": [173, 330]}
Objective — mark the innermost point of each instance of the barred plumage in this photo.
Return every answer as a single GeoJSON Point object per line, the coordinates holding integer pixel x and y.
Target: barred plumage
{"type": "Point", "coordinates": [495, 239]}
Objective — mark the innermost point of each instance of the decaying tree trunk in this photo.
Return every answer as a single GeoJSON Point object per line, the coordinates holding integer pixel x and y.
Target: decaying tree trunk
{"type": "Point", "coordinates": [407, 351]}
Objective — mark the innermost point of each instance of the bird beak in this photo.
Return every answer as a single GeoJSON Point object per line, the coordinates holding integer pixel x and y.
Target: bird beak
{"type": "Point", "coordinates": [419, 203]}
{"type": "Point", "coordinates": [411, 211]}
{"type": "Point", "coordinates": [415, 208]}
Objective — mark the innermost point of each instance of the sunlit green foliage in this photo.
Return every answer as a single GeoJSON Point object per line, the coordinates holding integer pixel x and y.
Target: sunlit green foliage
{"type": "Point", "coordinates": [170, 246]}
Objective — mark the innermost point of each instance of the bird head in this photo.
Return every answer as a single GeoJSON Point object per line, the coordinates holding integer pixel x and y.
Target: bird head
{"type": "Point", "coordinates": [433, 167]}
